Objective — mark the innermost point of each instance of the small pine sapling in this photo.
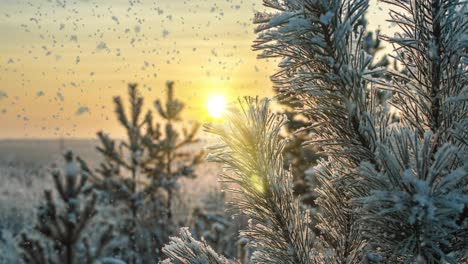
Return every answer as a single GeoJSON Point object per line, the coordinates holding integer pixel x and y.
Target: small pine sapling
{"type": "Point", "coordinates": [142, 172]}
{"type": "Point", "coordinates": [62, 223]}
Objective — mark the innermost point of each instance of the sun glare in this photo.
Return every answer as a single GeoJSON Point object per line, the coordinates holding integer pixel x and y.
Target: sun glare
{"type": "Point", "coordinates": [216, 106]}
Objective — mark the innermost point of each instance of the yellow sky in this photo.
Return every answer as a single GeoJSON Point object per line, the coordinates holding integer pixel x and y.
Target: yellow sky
{"type": "Point", "coordinates": [58, 56]}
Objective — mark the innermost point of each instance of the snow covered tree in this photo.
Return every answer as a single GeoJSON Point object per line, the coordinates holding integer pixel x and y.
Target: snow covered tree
{"type": "Point", "coordinates": [390, 190]}
{"type": "Point", "coordinates": [419, 193]}
{"type": "Point", "coordinates": [62, 223]}
{"type": "Point", "coordinates": [142, 172]}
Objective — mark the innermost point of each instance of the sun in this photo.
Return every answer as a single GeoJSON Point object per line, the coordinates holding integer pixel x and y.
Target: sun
{"type": "Point", "coordinates": [216, 106]}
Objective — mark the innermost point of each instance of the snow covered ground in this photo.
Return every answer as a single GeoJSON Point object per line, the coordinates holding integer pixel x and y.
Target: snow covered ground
{"type": "Point", "coordinates": [25, 173]}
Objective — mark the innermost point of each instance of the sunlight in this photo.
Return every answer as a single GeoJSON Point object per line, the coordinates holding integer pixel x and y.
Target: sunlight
{"type": "Point", "coordinates": [216, 106]}
{"type": "Point", "coordinates": [257, 183]}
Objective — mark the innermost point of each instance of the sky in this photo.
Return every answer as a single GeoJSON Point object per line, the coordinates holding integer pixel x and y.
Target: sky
{"type": "Point", "coordinates": [61, 62]}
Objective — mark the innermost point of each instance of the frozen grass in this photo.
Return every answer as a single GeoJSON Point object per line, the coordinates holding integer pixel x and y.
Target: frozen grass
{"type": "Point", "coordinates": [20, 190]}
{"type": "Point", "coordinates": [25, 167]}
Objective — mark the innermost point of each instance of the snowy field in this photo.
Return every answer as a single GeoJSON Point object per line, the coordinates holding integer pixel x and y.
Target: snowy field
{"type": "Point", "coordinates": [25, 167]}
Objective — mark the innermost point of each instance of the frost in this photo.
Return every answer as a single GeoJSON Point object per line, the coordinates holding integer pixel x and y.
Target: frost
{"type": "Point", "coordinates": [295, 24]}
{"type": "Point", "coordinates": [326, 18]}
{"type": "Point", "coordinates": [109, 260]}
{"type": "Point", "coordinates": [71, 169]}
{"type": "Point", "coordinates": [280, 18]}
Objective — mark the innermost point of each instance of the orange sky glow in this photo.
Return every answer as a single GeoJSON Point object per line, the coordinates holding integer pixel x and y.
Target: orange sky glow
{"type": "Point", "coordinates": [61, 62]}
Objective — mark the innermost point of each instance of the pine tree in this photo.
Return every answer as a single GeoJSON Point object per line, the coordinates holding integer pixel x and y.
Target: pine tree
{"type": "Point", "coordinates": [62, 223]}
{"type": "Point", "coordinates": [141, 173]}
{"type": "Point", "coordinates": [391, 191]}
{"type": "Point", "coordinates": [419, 192]}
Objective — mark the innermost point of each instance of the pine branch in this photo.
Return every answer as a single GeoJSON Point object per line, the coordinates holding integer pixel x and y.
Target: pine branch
{"type": "Point", "coordinates": [432, 100]}
{"type": "Point", "coordinates": [432, 47]}
{"type": "Point", "coordinates": [417, 200]}
{"type": "Point", "coordinates": [325, 67]}
{"type": "Point", "coordinates": [251, 151]}
{"type": "Point", "coordinates": [185, 249]}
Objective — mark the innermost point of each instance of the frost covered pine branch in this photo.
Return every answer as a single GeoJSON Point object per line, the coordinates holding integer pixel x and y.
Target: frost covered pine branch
{"type": "Point", "coordinates": [325, 66]}
{"type": "Point", "coordinates": [185, 249]}
{"type": "Point", "coordinates": [413, 211]}
{"type": "Point", "coordinates": [251, 150]}
{"type": "Point", "coordinates": [419, 195]}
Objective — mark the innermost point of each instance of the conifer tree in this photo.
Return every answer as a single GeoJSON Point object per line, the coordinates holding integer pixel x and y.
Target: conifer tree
{"type": "Point", "coordinates": [142, 171]}
{"type": "Point", "coordinates": [62, 222]}
{"type": "Point", "coordinates": [419, 192]}
{"type": "Point", "coordinates": [391, 192]}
